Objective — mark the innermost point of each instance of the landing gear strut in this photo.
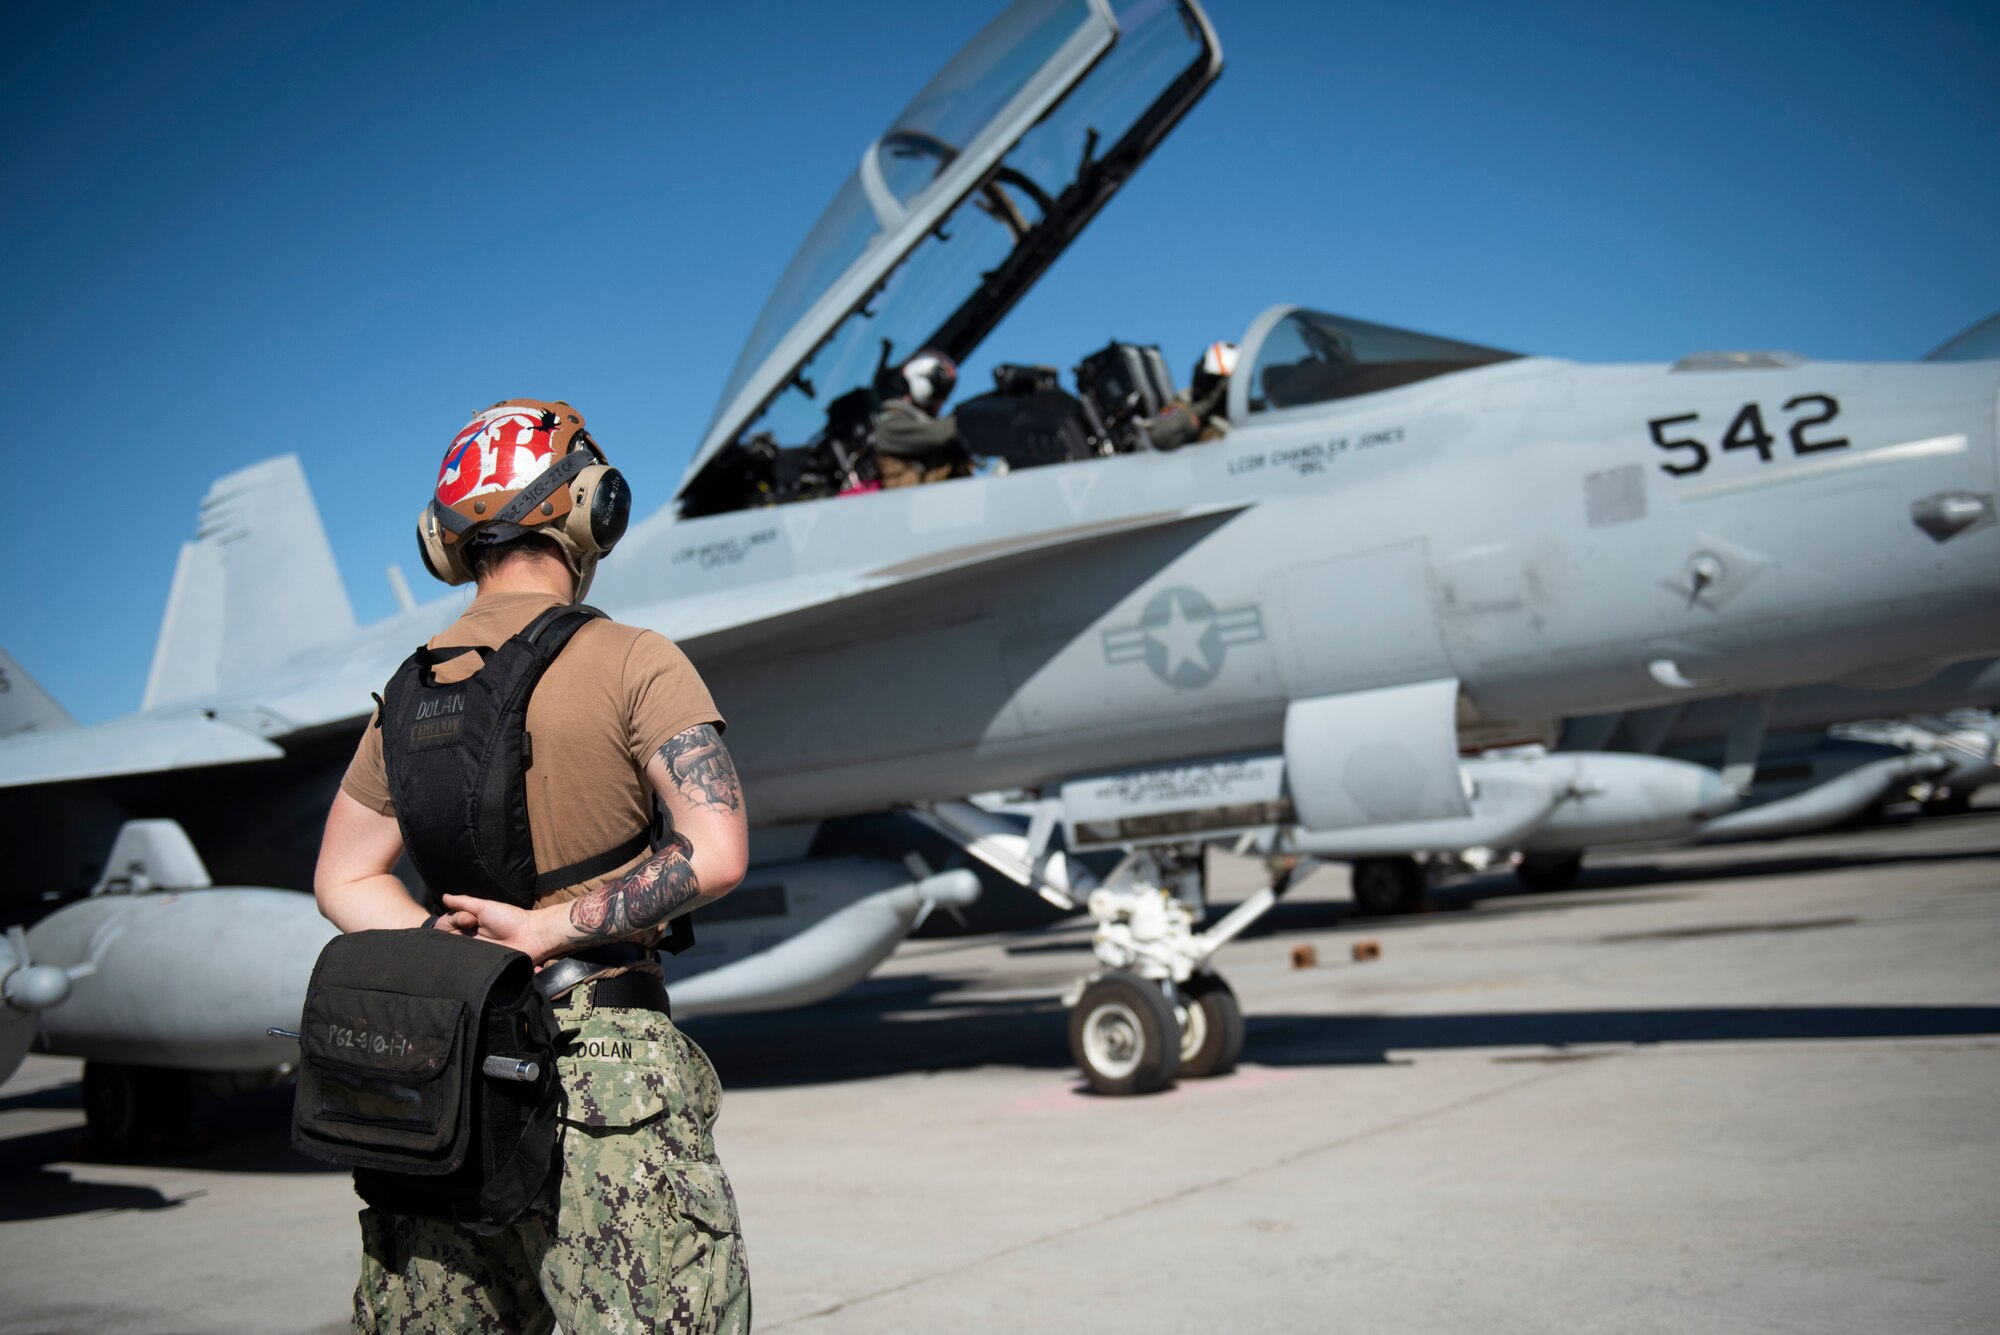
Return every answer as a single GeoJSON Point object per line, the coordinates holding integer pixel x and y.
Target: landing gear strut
{"type": "Point", "coordinates": [1157, 1011]}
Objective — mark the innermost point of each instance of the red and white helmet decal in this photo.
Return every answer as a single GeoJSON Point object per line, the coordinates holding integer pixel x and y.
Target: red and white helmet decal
{"type": "Point", "coordinates": [1219, 359]}
{"type": "Point", "coordinates": [502, 449]}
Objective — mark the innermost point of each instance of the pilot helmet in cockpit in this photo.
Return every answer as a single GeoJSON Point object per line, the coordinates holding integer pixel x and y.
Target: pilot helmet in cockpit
{"type": "Point", "coordinates": [1215, 365]}
{"type": "Point", "coordinates": [929, 378]}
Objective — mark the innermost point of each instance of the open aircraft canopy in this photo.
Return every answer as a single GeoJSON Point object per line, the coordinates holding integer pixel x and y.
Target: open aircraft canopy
{"type": "Point", "coordinates": [1293, 357]}
{"type": "Point", "coordinates": [964, 201]}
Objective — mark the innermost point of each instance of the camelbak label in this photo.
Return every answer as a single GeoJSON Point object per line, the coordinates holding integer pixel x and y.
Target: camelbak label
{"type": "Point", "coordinates": [436, 732]}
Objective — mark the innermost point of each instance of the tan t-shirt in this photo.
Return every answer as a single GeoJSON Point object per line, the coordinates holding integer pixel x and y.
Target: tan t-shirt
{"type": "Point", "coordinates": [602, 711]}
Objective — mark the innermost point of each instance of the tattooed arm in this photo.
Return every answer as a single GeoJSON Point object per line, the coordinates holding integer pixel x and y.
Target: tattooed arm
{"type": "Point", "coordinates": [695, 773]}
{"type": "Point", "coordinates": [696, 779]}
{"type": "Point", "coordinates": [661, 888]}
{"type": "Point", "coordinates": [694, 776]}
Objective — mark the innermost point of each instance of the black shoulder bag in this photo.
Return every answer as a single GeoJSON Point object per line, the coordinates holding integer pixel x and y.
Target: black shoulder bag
{"type": "Point", "coordinates": [428, 1066]}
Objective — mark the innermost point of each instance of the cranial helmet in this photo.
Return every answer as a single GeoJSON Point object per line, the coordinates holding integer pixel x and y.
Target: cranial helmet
{"type": "Point", "coordinates": [930, 376]}
{"type": "Point", "coordinates": [524, 466]}
{"type": "Point", "coordinates": [1217, 363]}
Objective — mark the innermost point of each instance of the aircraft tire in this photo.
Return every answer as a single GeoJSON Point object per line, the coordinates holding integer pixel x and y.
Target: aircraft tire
{"type": "Point", "coordinates": [1549, 871]}
{"type": "Point", "coordinates": [1953, 802]}
{"type": "Point", "coordinates": [1124, 1036]}
{"type": "Point", "coordinates": [125, 1107]}
{"type": "Point", "coordinates": [1212, 1038]}
{"type": "Point", "coordinates": [1388, 885]}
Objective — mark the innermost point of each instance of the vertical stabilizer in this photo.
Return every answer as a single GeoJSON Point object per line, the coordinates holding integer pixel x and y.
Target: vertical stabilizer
{"type": "Point", "coordinates": [24, 705]}
{"type": "Point", "coordinates": [257, 585]}
{"type": "Point", "coordinates": [187, 661]}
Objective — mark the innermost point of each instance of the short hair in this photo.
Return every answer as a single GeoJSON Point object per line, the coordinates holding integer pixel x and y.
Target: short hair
{"type": "Point", "coordinates": [486, 557]}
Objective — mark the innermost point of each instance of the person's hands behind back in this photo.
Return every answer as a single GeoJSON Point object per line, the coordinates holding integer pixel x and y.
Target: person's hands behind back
{"type": "Point", "coordinates": [530, 931]}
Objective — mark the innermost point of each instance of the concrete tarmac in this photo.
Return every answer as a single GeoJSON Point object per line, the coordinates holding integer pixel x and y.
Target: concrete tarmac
{"type": "Point", "coordinates": [1738, 1089]}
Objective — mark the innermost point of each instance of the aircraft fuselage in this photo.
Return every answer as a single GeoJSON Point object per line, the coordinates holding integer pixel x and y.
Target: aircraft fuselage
{"type": "Point", "coordinates": [1561, 539]}
{"type": "Point", "coordinates": [1538, 530]}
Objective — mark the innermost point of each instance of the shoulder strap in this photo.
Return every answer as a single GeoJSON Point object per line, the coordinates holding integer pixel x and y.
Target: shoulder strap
{"type": "Point", "coordinates": [545, 638]}
{"type": "Point", "coordinates": [550, 632]}
{"type": "Point", "coordinates": [609, 860]}
{"type": "Point", "coordinates": [427, 659]}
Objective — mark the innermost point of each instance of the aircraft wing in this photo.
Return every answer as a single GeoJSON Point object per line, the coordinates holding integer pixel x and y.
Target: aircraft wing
{"type": "Point", "coordinates": [135, 746]}
{"type": "Point", "coordinates": [780, 610]}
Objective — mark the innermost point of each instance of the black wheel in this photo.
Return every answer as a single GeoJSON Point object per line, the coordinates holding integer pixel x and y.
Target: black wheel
{"type": "Point", "coordinates": [126, 1107]}
{"type": "Point", "coordinates": [1951, 802]}
{"type": "Point", "coordinates": [1212, 1037]}
{"type": "Point", "coordinates": [1125, 1036]}
{"type": "Point", "coordinates": [1549, 871]}
{"type": "Point", "coordinates": [1388, 885]}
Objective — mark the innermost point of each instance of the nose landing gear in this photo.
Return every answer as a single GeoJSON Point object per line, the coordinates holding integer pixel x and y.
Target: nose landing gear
{"type": "Point", "coordinates": [1157, 1012]}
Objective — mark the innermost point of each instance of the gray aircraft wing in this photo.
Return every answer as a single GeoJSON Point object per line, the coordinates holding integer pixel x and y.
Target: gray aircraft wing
{"type": "Point", "coordinates": [781, 612]}
{"type": "Point", "coordinates": [248, 715]}
{"type": "Point", "coordinates": [138, 746]}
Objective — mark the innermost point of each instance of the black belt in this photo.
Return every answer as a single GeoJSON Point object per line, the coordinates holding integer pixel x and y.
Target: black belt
{"type": "Point", "coordinates": [626, 991]}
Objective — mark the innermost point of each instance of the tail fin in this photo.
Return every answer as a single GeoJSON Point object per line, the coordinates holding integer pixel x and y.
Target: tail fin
{"type": "Point", "coordinates": [1978, 343]}
{"type": "Point", "coordinates": [257, 585]}
{"type": "Point", "coordinates": [24, 705]}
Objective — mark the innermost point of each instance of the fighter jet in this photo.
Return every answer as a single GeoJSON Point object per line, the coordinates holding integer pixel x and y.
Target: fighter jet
{"type": "Point", "coordinates": [1408, 547]}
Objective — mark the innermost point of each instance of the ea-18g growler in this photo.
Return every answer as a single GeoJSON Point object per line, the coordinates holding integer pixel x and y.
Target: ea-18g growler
{"type": "Point", "coordinates": [1406, 548]}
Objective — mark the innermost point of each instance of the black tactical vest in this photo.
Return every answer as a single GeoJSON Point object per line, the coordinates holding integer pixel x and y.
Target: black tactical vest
{"type": "Point", "coordinates": [458, 757]}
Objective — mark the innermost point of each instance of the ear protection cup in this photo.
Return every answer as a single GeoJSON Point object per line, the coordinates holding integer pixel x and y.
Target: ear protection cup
{"type": "Point", "coordinates": [445, 561]}
{"type": "Point", "coordinates": [600, 508]}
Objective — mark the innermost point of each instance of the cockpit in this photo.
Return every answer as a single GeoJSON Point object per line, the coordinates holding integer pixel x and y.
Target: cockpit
{"type": "Point", "coordinates": [953, 213]}
{"type": "Point", "coordinates": [950, 217]}
{"type": "Point", "coordinates": [1295, 357]}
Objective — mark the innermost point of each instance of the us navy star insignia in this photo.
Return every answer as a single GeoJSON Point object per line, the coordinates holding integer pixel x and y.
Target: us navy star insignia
{"type": "Point", "coordinates": [1181, 637]}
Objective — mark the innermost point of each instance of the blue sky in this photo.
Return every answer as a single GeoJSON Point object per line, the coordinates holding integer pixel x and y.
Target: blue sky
{"type": "Point", "coordinates": [337, 230]}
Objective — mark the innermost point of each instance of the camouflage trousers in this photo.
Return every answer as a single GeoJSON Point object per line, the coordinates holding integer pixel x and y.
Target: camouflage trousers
{"type": "Point", "coordinates": [645, 1237]}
